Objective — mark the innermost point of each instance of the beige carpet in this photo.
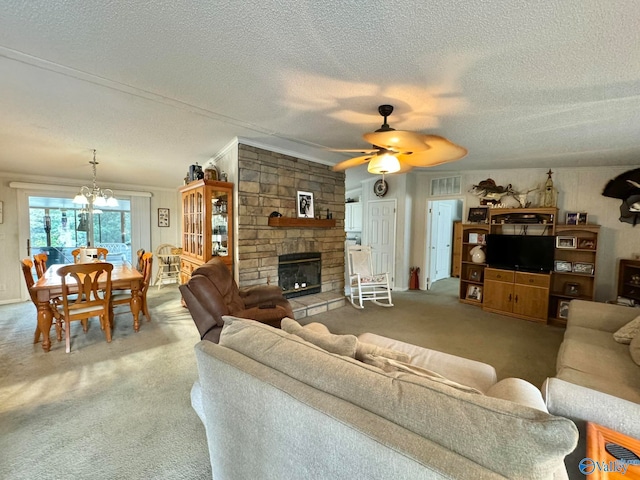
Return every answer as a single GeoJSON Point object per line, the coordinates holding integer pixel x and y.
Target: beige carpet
{"type": "Point", "coordinates": [122, 410]}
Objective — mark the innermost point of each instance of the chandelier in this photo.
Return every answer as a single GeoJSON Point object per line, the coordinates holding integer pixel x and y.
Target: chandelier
{"type": "Point", "coordinates": [95, 196]}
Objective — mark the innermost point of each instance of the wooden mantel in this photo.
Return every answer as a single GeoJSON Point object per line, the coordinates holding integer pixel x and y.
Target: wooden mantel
{"type": "Point", "coordinates": [301, 222]}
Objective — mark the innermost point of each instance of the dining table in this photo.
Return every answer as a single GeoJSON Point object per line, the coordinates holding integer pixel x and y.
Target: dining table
{"type": "Point", "coordinates": [123, 276]}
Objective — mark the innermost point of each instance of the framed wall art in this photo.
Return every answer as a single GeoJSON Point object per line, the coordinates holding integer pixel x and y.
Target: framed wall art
{"type": "Point", "coordinates": [474, 292]}
{"type": "Point", "coordinates": [562, 266]}
{"type": "Point", "coordinates": [478, 215]}
{"type": "Point", "coordinates": [163, 217]}
{"type": "Point", "coordinates": [566, 242]}
{"type": "Point", "coordinates": [475, 274]}
{"type": "Point", "coordinates": [305, 205]}
{"type": "Point", "coordinates": [572, 289]}
{"type": "Point", "coordinates": [582, 218]}
{"type": "Point", "coordinates": [583, 267]}
{"type": "Point", "coordinates": [587, 243]}
{"type": "Point", "coordinates": [563, 309]}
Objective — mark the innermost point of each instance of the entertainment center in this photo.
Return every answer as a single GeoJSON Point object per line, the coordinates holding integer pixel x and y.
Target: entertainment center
{"type": "Point", "coordinates": [530, 267]}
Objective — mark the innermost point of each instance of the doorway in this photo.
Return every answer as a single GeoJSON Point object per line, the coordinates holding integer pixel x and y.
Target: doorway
{"type": "Point", "coordinates": [440, 217]}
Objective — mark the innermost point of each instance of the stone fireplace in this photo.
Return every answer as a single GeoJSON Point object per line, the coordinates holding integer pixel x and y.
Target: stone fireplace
{"type": "Point", "coordinates": [268, 182]}
{"type": "Point", "coordinates": [299, 274]}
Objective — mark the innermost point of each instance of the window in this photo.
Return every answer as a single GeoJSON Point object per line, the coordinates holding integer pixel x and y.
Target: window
{"type": "Point", "coordinates": [57, 226]}
{"type": "Point", "coordinates": [445, 186]}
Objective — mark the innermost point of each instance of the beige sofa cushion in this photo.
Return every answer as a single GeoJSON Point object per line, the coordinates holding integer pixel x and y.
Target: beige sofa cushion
{"type": "Point", "coordinates": [390, 365]}
{"type": "Point", "coordinates": [489, 431]}
{"type": "Point", "coordinates": [458, 369]}
{"type": "Point", "coordinates": [610, 361]}
{"type": "Point", "coordinates": [626, 333]}
{"type": "Point", "coordinates": [319, 335]}
{"type": "Point", "coordinates": [338, 344]}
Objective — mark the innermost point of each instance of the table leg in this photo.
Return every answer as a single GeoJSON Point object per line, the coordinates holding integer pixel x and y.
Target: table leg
{"type": "Point", "coordinates": [45, 318]}
{"type": "Point", "coordinates": [136, 303]}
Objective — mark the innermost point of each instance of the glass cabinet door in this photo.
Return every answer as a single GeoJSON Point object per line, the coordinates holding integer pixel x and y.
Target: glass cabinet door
{"type": "Point", "coordinates": [220, 224]}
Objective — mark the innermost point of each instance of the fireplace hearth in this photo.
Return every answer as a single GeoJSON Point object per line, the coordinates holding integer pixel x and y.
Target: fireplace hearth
{"type": "Point", "coordinates": [299, 274]}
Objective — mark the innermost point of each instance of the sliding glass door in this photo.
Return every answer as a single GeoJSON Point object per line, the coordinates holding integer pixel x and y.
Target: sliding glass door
{"type": "Point", "coordinates": [57, 226]}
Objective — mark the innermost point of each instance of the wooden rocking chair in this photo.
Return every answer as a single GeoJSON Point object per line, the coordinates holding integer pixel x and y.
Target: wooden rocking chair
{"type": "Point", "coordinates": [364, 283]}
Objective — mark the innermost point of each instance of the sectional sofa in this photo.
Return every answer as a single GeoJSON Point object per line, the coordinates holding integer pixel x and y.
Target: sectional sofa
{"type": "Point", "coordinates": [276, 405]}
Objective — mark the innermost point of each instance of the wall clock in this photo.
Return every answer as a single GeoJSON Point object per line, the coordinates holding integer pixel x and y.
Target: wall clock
{"type": "Point", "coordinates": [380, 188]}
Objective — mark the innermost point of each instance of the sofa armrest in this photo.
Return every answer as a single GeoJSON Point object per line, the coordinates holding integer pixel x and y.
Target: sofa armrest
{"type": "Point", "coordinates": [582, 404]}
{"type": "Point", "coordinates": [599, 316]}
{"type": "Point", "coordinates": [518, 391]}
{"type": "Point", "coordinates": [261, 294]}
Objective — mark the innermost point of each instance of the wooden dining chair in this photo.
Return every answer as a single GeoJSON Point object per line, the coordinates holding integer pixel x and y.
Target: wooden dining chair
{"type": "Point", "coordinates": [27, 266]}
{"type": "Point", "coordinates": [123, 297]}
{"type": "Point", "coordinates": [40, 262]}
{"type": "Point", "coordinates": [101, 254]}
{"type": "Point", "coordinates": [84, 297]}
{"type": "Point", "coordinates": [139, 263]}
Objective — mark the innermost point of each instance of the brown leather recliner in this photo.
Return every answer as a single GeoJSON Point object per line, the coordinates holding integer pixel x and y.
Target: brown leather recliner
{"type": "Point", "coordinates": [212, 292]}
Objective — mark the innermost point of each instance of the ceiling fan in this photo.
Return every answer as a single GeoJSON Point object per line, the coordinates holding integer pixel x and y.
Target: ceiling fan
{"type": "Point", "coordinates": [400, 151]}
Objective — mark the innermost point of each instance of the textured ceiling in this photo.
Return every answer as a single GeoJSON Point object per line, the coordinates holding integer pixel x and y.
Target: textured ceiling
{"type": "Point", "coordinates": [157, 85]}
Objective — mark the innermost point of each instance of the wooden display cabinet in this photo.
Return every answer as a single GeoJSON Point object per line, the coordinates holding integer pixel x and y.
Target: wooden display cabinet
{"type": "Point", "coordinates": [517, 294]}
{"type": "Point", "coordinates": [471, 273]}
{"type": "Point", "coordinates": [207, 230]}
{"type": "Point", "coordinates": [525, 221]}
{"type": "Point", "coordinates": [629, 279]}
{"type": "Point", "coordinates": [456, 255]}
{"type": "Point", "coordinates": [574, 273]}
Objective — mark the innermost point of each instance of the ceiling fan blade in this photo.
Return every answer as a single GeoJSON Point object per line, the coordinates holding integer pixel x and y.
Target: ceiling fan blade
{"type": "Point", "coordinates": [441, 151]}
{"type": "Point", "coordinates": [398, 140]}
{"type": "Point", "coordinates": [404, 166]}
{"type": "Point", "coordinates": [356, 150]}
{"type": "Point", "coordinates": [352, 162]}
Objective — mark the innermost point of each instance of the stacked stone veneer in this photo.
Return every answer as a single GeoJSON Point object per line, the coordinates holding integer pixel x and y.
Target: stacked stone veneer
{"type": "Point", "coordinates": [269, 181]}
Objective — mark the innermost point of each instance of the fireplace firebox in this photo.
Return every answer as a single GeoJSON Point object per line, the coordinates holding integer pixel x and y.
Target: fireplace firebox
{"type": "Point", "coordinates": [299, 274]}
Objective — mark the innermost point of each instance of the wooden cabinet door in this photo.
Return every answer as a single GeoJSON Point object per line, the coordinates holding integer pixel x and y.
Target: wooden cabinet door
{"type": "Point", "coordinates": [498, 295]}
{"type": "Point", "coordinates": [531, 301]}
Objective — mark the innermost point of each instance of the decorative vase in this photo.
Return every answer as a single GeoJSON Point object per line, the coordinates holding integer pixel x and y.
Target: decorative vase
{"type": "Point", "coordinates": [477, 254]}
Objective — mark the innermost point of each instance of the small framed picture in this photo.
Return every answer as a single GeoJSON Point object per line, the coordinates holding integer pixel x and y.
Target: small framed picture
{"type": "Point", "coordinates": [482, 239]}
{"type": "Point", "coordinates": [562, 266]}
{"type": "Point", "coordinates": [572, 218]}
{"type": "Point", "coordinates": [473, 237]}
{"type": "Point", "coordinates": [583, 267]}
{"type": "Point", "coordinates": [478, 215]}
{"type": "Point", "coordinates": [474, 292]}
{"type": "Point", "coordinates": [582, 218]}
{"type": "Point", "coordinates": [475, 274]}
{"type": "Point", "coordinates": [572, 289]}
{"type": "Point", "coordinates": [565, 242]}
{"type": "Point", "coordinates": [563, 309]}
{"type": "Point", "coordinates": [305, 205]}
{"type": "Point", "coordinates": [163, 217]}
{"type": "Point", "coordinates": [587, 243]}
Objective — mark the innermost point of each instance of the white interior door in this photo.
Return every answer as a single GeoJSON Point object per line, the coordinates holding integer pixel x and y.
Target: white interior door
{"type": "Point", "coordinates": [441, 224]}
{"type": "Point", "coordinates": [382, 235]}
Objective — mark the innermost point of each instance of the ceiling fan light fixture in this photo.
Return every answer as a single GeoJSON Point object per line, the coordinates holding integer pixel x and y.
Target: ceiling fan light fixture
{"type": "Point", "coordinates": [383, 164]}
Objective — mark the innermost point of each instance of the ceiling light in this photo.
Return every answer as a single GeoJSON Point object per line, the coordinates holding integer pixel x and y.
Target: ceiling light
{"type": "Point", "coordinates": [94, 195]}
{"type": "Point", "coordinates": [383, 164]}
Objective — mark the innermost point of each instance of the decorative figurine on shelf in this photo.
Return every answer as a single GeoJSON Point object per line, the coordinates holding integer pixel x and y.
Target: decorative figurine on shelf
{"type": "Point", "coordinates": [477, 254]}
{"type": "Point", "coordinates": [549, 194]}
{"type": "Point", "coordinates": [490, 193]}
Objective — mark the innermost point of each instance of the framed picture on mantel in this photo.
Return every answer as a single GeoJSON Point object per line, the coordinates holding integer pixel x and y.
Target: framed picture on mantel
{"type": "Point", "coordinates": [305, 205]}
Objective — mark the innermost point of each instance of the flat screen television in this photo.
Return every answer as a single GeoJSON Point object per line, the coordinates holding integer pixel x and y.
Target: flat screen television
{"type": "Point", "coordinates": [528, 253]}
